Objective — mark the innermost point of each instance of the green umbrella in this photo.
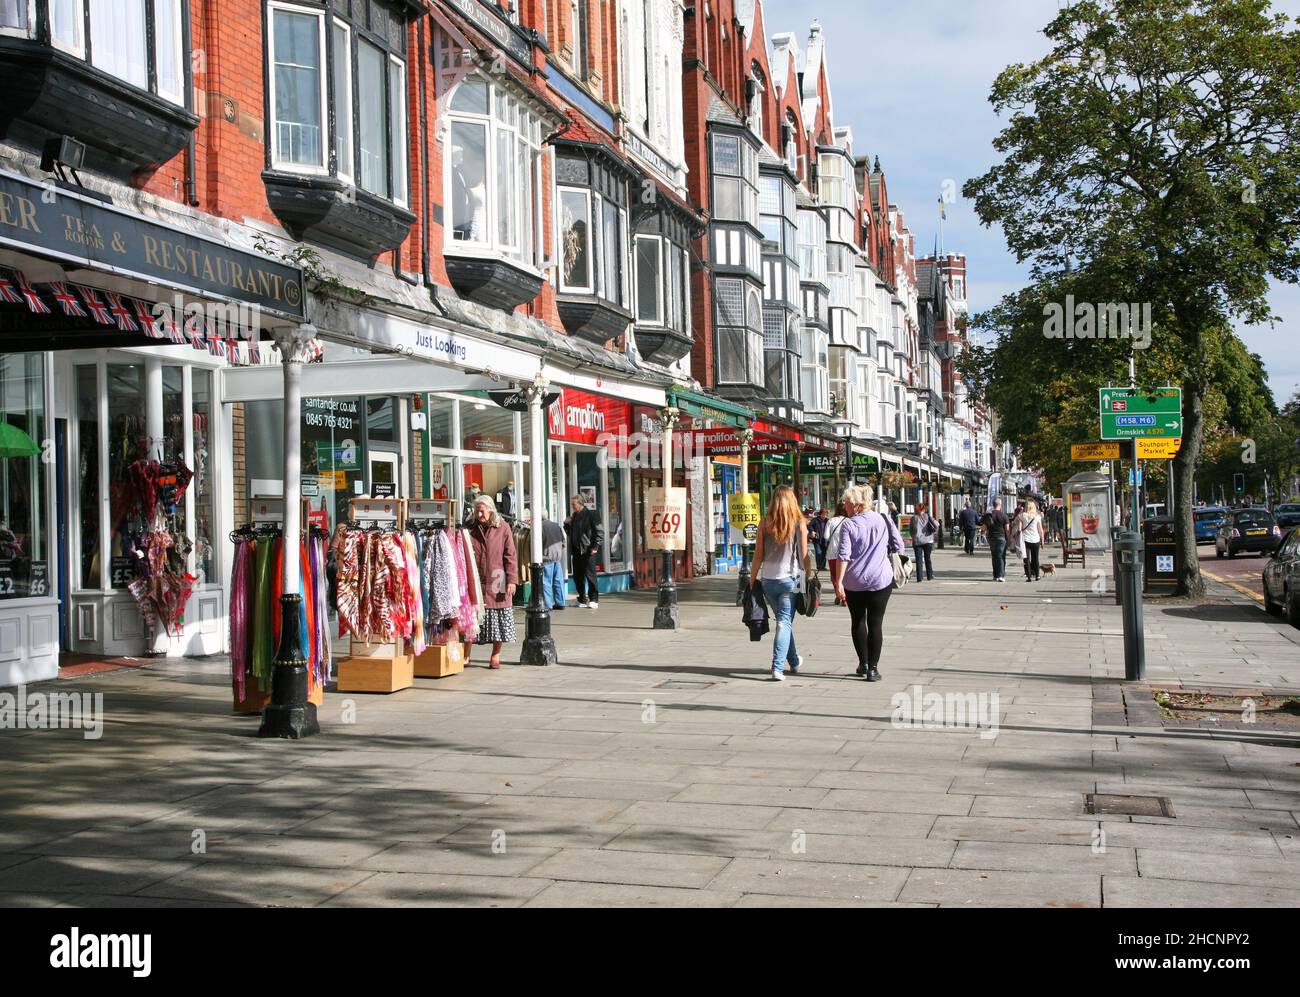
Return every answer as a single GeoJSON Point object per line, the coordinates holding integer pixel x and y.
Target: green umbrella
{"type": "Point", "coordinates": [15, 443]}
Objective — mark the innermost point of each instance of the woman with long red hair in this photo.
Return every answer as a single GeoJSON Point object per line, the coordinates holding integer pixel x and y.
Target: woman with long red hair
{"type": "Point", "coordinates": [780, 553]}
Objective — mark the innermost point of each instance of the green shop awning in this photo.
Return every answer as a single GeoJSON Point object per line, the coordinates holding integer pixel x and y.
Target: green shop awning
{"type": "Point", "coordinates": [717, 410]}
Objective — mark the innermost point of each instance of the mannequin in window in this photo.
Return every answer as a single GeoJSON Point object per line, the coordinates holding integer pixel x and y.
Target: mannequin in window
{"type": "Point", "coordinates": [468, 198]}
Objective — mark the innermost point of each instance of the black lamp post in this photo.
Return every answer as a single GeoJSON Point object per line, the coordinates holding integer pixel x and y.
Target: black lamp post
{"type": "Point", "coordinates": [539, 645]}
{"type": "Point", "coordinates": [665, 617]}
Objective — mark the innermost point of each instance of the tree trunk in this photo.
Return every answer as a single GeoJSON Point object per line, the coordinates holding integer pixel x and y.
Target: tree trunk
{"type": "Point", "coordinates": [1189, 454]}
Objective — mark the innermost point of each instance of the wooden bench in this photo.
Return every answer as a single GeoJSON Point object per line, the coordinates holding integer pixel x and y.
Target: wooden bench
{"type": "Point", "coordinates": [1074, 550]}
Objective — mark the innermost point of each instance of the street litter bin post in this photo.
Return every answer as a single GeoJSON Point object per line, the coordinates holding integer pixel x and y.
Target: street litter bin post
{"type": "Point", "coordinates": [1129, 546]}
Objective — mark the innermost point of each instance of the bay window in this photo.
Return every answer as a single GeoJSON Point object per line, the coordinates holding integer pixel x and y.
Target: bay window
{"type": "Point", "coordinates": [140, 42]}
{"type": "Point", "coordinates": [812, 246]}
{"type": "Point", "coordinates": [739, 331]}
{"type": "Point", "coordinates": [493, 146]}
{"type": "Point", "coordinates": [662, 274]}
{"type": "Point", "coordinates": [355, 66]}
{"type": "Point", "coordinates": [735, 179]}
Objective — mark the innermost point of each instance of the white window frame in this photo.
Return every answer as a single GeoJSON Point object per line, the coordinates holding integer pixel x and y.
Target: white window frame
{"type": "Point", "coordinates": [589, 287]}
{"type": "Point", "coordinates": [398, 160]}
{"type": "Point", "coordinates": [179, 41]}
{"type": "Point", "coordinates": [660, 278]}
{"type": "Point", "coordinates": [77, 48]}
{"type": "Point", "coordinates": [345, 102]}
{"type": "Point", "coordinates": [526, 130]}
{"type": "Point", "coordinates": [276, 162]}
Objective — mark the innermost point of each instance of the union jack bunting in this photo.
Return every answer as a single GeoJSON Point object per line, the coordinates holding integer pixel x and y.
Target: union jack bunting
{"type": "Point", "coordinates": [149, 322]}
{"type": "Point", "coordinates": [7, 290]}
{"type": "Point", "coordinates": [97, 308]}
{"type": "Point", "coordinates": [66, 299]}
{"type": "Point", "coordinates": [216, 346]}
{"type": "Point", "coordinates": [196, 331]}
{"type": "Point", "coordinates": [33, 299]}
{"type": "Point", "coordinates": [175, 333]}
{"type": "Point", "coordinates": [254, 356]}
{"type": "Point", "coordinates": [119, 311]}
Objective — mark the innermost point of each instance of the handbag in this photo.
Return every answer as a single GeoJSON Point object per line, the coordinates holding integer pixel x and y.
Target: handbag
{"type": "Point", "coordinates": [902, 565]}
{"type": "Point", "coordinates": [807, 602]}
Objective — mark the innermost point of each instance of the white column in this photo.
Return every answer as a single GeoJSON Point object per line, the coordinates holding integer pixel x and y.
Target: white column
{"type": "Point", "coordinates": [153, 410]}
{"type": "Point", "coordinates": [290, 341]}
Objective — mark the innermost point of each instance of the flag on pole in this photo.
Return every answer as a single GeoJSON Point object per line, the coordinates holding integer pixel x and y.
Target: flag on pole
{"type": "Point", "coordinates": [66, 299]}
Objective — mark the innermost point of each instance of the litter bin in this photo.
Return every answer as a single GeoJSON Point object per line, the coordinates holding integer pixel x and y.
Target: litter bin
{"type": "Point", "coordinates": [1160, 557]}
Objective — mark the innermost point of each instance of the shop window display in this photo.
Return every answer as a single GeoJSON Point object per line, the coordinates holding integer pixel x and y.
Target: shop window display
{"type": "Point", "coordinates": [24, 556]}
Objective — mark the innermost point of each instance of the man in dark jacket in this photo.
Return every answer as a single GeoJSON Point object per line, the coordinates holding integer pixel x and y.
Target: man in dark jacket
{"type": "Point", "coordinates": [970, 521]}
{"type": "Point", "coordinates": [585, 538]}
{"type": "Point", "coordinates": [818, 527]}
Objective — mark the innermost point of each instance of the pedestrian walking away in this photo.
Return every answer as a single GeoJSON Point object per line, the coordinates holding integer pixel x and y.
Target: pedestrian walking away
{"type": "Point", "coordinates": [832, 545]}
{"type": "Point", "coordinates": [498, 571]}
{"type": "Point", "coordinates": [780, 553]}
{"type": "Point", "coordinates": [1031, 536]}
{"type": "Point", "coordinates": [818, 536]}
{"type": "Point", "coordinates": [553, 578]}
{"type": "Point", "coordinates": [970, 521]}
{"type": "Point", "coordinates": [925, 529]}
{"type": "Point", "coordinates": [995, 528]}
{"type": "Point", "coordinates": [866, 541]}
{"type": "Point", "coordinates": [585, 539]}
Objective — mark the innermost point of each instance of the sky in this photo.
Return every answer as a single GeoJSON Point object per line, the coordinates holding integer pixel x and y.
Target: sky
{"type": "Point", "coordinates": [912, 81]}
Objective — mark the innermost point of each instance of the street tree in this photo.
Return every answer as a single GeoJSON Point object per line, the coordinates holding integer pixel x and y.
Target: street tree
{"type": "Point", "coordinates": [1157, 140]}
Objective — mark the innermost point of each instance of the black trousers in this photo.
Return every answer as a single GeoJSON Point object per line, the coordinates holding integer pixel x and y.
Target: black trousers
{"type": "Point", "coordinates": [1032, 569]}
{"type": "Point", "coordinates": [970, 539]}
{"type": "Point", "coordinates": [867, 614]}
{"type": "Point", "coordinates": [584, 577]}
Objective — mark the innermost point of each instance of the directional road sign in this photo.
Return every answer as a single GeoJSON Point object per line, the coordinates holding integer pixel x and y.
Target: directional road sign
{"type": "Point", "coordinates": [1140, 413]}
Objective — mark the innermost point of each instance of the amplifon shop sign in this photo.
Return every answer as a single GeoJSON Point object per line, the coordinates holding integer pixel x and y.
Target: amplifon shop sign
{"type": "Point", "coordinates": [582, 417]}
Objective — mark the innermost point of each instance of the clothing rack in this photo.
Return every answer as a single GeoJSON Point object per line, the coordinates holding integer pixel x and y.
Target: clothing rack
{"type": "Point", "coordinates": [430, 514]}
{"type": "Point", "coordinates": [386, 667]}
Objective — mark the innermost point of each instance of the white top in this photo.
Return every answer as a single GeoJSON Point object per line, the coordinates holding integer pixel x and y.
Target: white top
{"type": "Point", "coordinates": [1031, 528]}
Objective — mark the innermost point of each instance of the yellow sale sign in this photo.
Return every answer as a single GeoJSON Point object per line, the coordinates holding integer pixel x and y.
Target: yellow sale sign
{"type": "Point", "coordinates": [665, 518]}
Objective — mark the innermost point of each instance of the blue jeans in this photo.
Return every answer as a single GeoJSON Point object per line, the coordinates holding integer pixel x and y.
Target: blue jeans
{"type": "Point", "coordinates": [998, 548]}
{"type": "Point", "coordinates": [780, 593]}
{"type": "Point", "coordinates": [924, 569]}
{"type": "Point", "coordinates": [553, 584]}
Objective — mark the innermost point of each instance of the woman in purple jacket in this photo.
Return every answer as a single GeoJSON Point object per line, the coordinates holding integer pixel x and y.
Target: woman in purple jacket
{"type": "Point", "coordinates": [866, 577]}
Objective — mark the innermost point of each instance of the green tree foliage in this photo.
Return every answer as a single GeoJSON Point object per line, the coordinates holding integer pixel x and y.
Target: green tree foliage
{"type": "Point", "coordinates": [1154, 150]}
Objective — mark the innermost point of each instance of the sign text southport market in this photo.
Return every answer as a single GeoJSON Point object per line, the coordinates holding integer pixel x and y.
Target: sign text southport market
{"type": "Point", "coordinates": [54, 222]}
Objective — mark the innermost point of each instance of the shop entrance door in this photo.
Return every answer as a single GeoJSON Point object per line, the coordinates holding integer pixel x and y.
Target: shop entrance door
{"type": "Point", "coordinates": [383, 475]}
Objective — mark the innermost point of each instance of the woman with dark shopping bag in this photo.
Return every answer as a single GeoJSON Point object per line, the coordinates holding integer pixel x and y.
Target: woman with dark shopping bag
{"type": "Point", "coordinates": [866, 542]}
{"type": "Point", "coordinates": [780, 553]}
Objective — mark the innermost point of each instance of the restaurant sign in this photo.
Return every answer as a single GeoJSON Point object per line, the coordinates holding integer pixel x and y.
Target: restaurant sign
{"type": "Point", "coordinates": [55, 222]}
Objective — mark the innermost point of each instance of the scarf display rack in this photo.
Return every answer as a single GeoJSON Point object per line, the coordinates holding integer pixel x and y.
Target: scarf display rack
{"type": "Point", "coordinates": [375, 601]}
{"type": "Point", "coordinates": [444, 598]}
{"type": "Point", "coordinates": [256, 585]}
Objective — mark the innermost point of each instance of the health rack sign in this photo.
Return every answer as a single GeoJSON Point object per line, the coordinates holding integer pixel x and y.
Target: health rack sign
{"type": "Point", "coordinates": [1140, 413]}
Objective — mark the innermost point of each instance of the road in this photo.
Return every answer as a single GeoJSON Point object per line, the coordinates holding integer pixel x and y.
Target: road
{"type": "Point", "coordinates": [1243, 572]}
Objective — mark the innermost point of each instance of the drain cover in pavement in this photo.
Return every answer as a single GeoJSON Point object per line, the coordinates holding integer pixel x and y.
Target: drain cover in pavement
{"type": "Point", "coordinates": [684, 684]}
{"type": "Point", "coordinates": [1135, 806]}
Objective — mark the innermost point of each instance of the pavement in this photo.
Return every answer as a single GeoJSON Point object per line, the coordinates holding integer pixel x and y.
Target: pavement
{"type": "Point", "coordinates": [665, 768]}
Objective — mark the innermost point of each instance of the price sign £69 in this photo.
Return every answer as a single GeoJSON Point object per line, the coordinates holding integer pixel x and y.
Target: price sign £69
{"type": "Point", "coordinates": [665, 518]}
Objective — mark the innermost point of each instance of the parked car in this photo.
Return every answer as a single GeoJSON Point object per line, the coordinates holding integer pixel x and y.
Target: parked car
{"type": "Point", "coordinates": [1287, 514]}
{"type": "Point", "coordinates": [1282, 579]}
{"type": "Point", "coordinates": [1207, 520]}
{"type": "Point", "coordinates": [1244, 530]}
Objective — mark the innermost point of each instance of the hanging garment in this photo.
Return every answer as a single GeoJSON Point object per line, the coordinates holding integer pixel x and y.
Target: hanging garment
{"type": "Point", "coordinates": [390, 546]}
{"type": "Point", "coordinates": [263, 653]}
{"type": "Point", "coordinates": [321, 663]}
{"type": "Point", "coordinates": [444, 601]}
{"type": "Point", "coordinates": [347, 583]}
{"type": "Point", "coordinates": [241, 633]}
{"type": "Point", "coordinates": [465, 618]}
{"type": "Point", "coordinates": [365, 585]}
{"type": "Point", "coordinates": [414, 596]}
{"type": "Point", "coordinates": [476, 582]}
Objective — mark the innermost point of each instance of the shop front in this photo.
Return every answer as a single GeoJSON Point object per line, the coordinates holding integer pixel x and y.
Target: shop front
{"type": "Point", "coordinates": [589, 457]}
{"type": "Point", "coordinates": [115, 333]}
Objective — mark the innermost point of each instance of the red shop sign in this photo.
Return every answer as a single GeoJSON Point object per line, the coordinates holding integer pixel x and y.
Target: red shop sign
{"type": "Point", "coordinates": [582, 417]}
